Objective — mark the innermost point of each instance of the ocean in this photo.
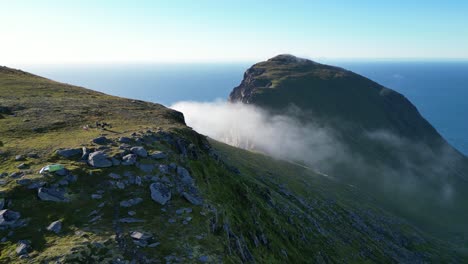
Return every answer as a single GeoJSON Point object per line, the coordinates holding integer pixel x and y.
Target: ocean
{"type": "Point", "coordinates": [438, 89]}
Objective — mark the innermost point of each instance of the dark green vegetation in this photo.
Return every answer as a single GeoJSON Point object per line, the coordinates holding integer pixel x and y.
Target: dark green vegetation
{"type": "Point", "coordinates": [391, 152]}
{"type": "Point", "coordinates": [254, 208]}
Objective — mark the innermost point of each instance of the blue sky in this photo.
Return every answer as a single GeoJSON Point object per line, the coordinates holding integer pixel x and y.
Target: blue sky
{"type": "Point", "coordinates": [213, 31]}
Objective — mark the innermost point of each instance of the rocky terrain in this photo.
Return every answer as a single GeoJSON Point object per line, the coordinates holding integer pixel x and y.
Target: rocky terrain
{"type": "Point", "coordinates": [139, 186]}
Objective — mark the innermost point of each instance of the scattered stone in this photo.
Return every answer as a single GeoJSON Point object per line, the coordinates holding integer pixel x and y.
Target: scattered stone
{"type": "Point", "coordinates": [153, 245]}
{"type": "Point", "coordinates": [23, 247]}
{"type": "Point", "coordinates": [114, 176]}
{"type": "Point", "coordinates": [61, 172]}
{"type": "Point", "coordinates": [94, 219]}
{"type": "Point", "coordinates": [15, 175]}
{"type": "Point", "coordinates": [203, 259]}
{"type": "Point", "coordinates": [36, 185]}
{"type": "Point", "coordinates": [158, 155]}
{"type": "Point", "coordinates": [99, 159]}
{"type": "Point", "coordinates": [96, 196]}
{"type": "Point", "coordinates": [192, 199]}
{"type": "Point", "coordinates": [183, 210]}
{"type": "Point", "coordinates": [100, 140]}
{"type": "Point", "coordinates": [101, 204]}
{"type": "Point", "coordinates": [54, 195]}
{"type": "Point", "coordinates": [85, 153]}
{"type": "Point", "coordinates": [115, 162]}
{"type": "Point", "coordinates": [140, 151]}
{"type": "Point", "coordinates": [140, 235]}
{"type": "Point", "coordinates": [171, 220]}
{"type": "Point", "coordinates": [164, 169]}
{"type": "Point", "coordinates": [23, 166]}
{"type": "Point", "coordinates": [55, 227]}
{"type": "Point", "coordinates": [19, 158]}
{"type": "Point", "coordinates": [146, 167]}
{"type": "Point", "coordinates": [160, 193]}
{"type": "Point", "coordinates": [8, 217]}
{"type": "Point", "coordinates": [129, 159]}
{"type": "Point", "coordinates": [131, 202]}
{"type": "Point", "coordinates": [24, 182]}
{"type": "Point", "coordinates": [32, 155]}
{"type": "Point", "coordinates": [120, 185]}
{"type": "Point", "coordinates": [131, 213]}
{"type": "Point", "coordinates": [69, 152]}
{"type": "Point", "coordinates": [125, 140]}
{"type": "Point", "coordinates": [129, 220]}
{"type": "Point", "coordinates": [138, 180]}
{"type": "Point", "coordinates": [184, 176]}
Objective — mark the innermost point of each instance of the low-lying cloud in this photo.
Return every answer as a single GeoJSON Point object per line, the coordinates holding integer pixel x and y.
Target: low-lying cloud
{"type": "Point", "coordinates": [249, 127]}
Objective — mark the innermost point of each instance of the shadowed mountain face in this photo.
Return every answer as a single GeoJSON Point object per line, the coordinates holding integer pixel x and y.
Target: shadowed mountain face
{"type": "Point", "coordinates": [391, 151]}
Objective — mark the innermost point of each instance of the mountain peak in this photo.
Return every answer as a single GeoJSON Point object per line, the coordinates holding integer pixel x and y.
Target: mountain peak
{"type": "Point", "coordinates": [288, 58]}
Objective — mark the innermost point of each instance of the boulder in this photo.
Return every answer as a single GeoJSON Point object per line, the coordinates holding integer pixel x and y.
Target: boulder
{"type": "Point", "coordinates": [140, 235]}
{"type": "Point", "coordinates": [131, 202]}
{"type": "Point", "coordinates": [8, 217]}
{"type": "Point", "coordinates": [23, 247]}
{"type": "Point", "coordinates": [100, 140]}
{"type": "Point", "coordinates": [129, 159]}
{"type": "Point", "coordinates": [99, 159]}
{"type": "Point", "coordinates": [125, 140]}
{"type": "Point", "coordinates": [23, 166]}
{"type": "Point", "coordinates": [158, 155]}
{"type": "Point", "coordinates": [85, 153]}
{"type": "Point", "coordinates": [15, 175]}
{"type": "Point", "coordinates": [192, 199]}
{"type": "Point", "coordinates": [120, 185]}
{"type": "Point", "coordinates": [69, 152]}
{"type": "Point", "coordinates": [55, 227]}
{"type": "Point", "coordinates": [140, 151]}
{"type": "Point", "coordinates": [146, 167]}
{"type": "Point", "coordinates": [184, 176]}
{"type": "Point", "coordinates": [24, 182]}
{"type": "Point", "coordinates": [160, 193]}
{"type": "Point", "coordinates": [49, 194]}
{"type": "Point", "coordinates": [19, 158]}
{"type": "Point", "coordinates": [36, 185]}
{"type": "Point", "coordinates": [32, 155]}
{"type": "Point", "coordinates": [163, 168]}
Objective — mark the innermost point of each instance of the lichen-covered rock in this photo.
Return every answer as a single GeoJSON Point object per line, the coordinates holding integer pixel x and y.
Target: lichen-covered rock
{"type": "Point", "coordinates": [184, 176]}
{"type": "Point", "coordinates": [55, 227]}
{"type": "Point", "coordinates": [99, 159]}
{"type": "Point", "coordinates": [160, 193]}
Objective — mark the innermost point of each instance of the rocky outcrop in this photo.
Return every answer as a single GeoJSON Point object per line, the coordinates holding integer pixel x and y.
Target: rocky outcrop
{"type": "Point", "coordinates": [99, 159]}
{"type": "Point", "coordinates": [160, 193]}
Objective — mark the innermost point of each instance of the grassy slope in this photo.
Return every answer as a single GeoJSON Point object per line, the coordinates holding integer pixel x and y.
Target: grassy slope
{"type": "Point", "coordinates": [319, 220]}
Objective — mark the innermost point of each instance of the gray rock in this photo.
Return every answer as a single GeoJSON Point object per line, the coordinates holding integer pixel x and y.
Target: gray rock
{"type": "Point", "coordinates": [69, 152]}
{"type": "Point", "coordinates": [129, 159]}
{"type": "Point", "coordinates": [184, 176]}
{"type": "Point", "coordinates": [24, 182]}
{"type": "Point", "coordinates": [125, 140]}
{"type": "Point", "coordinates": [146, 167]}
{"type": "Point", "coordinates": [163, 168]}
{"type": "Point", "coordinates": [19, 158]}
{"type": "Point", "coordinates": [54, 195]}
{"type": "Point", "coordinates": [203, 259]}
{"type": "Point", "coordinates": [120, 185]}
{"type": "Point", "coordinates": [61, 172]}
{"type": "Point", "coordinates": [130, 220]}
{"type": "Point", "coordinates": [71, 178]}
{"type": "Point", "coordinates": [171, 220]}
{"type": "Point", "coordinates": [158, 155]}
{"type": "Point", "coordinates": [32, 155]}
{"type": "Point", "coordinates": [2, 203]}
{"type": "Point", "coordinates": [85, 153]}
{"type": "Point", "coordinates": [192, 199]}
{"type": "Point", "coordinates": [99, 159]}
{"type": "Point", "coordinates": [115, 162]}
{"type": "Point", "coordinates": [3, 182]}
{"type": "Point", "coordinates": [131, 213]}
{"type": "Point", "coordinates": [23, 166]}
{"type": "Point", "coordinates": [153, 245]}
{"type": "Point", "coordinates": [36, 185]}
{"type": "Point", "coordinates": [96, 196]}
{"type": "Point", "coordinates": [23, 247]}
{"type": "Point", "coordinates": [160, 193]}
{"type": "Point", "coordinates": [140, 235]}
{"type": "Point", "coordinates": [15, 175]}
{"type": "Point", "coordinates": [140, 151]}
{"type": "Point", "coordinates": [55, 227]}
{"type": "Point", "coordinates": [131, 202]}
{"type": "Point", "coordinates": [8, 217]}
{"type": "Point", "coordinates": [100, 140]}
{"type": "Point", "coordinates": [114, 176]}
{"type": "Point", "coordinates": [138, 180]}
{"type": "Point", "coordinates": [63, 182]}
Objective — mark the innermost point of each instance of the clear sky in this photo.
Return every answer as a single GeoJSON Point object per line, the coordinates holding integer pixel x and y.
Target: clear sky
{"type": "Point", "coordinates": [207, 31]}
